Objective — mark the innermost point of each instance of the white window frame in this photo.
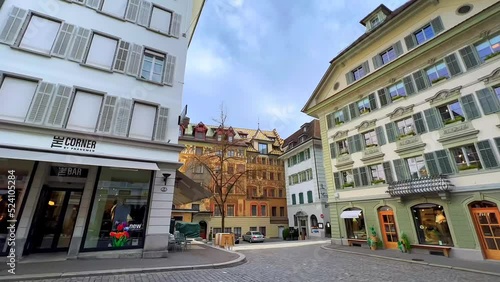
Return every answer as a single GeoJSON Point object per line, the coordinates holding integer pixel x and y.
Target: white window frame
{"type": "Point", "coordinates": [417, 160]}
{"type": "Point", "coordinates": [434, 68]}
{"type": "Point", "coordinates": [370, 138]}
{"type": "Point", "coordinates": [261, 150]}
{"type": "Point", "coordinates": [465, 155]}
{"type": "Point", "coordinates": [27, 25]}
{"type": "Point", "coordinates": [450, 111]}
{"type": "Point", "coordinates": [423, 32]}
{"type": "Point", "coordinates": [171, 19]}
{"type": "Point", "coordinates": [364, 104]}
{"type": "Point", "coordinates": [339, 117]}
{"type": "Point", "coordinates": [377, 172]}
{"type": "Point", "coordinates": [387, 52]}
{"type": "Point", "coordinates": [89, 48]}
{"type": "Point", "coordinates": [359, 71]}
{"type": "Point", "coordinates": [408, 126]}
{"type": "Point", "coordinates": [399, 89]}
{"type": "Point", "coordinates": [156, 55]}
{"type": "Point", "coordinates": [111, 14]}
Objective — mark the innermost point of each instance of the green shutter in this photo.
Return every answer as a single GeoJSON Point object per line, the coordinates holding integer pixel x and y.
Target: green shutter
{"type": "Point", "coordinates": [363, 176]}
{"type": "Point", "coordinates": [333, 150]}
{"type": "Point", "coordinates": [358, 146]}
{"type": "Point", "coordinates": [353, 109]}
{"type": "Point", "coordinates": [350, 144]}
{"type": "Point", "coordinates": [410, 42]}
{"type": "Point", "coordinates": [377, 61]}
{"type": "Point", "coordinates": [437, 25]}
{"type": "Point", "coordinates": [452, 63]}
{"type": "Point", "coordinates": [379, 130]}
{"type": "Point", "coordinates": [382, 96]}
{"type": "Point", "coordinates": [470, 108]}
{"type": "Point", "coordinates": [432, 166]}
{"type": "Point", "coordinates": [294, 199]}
{"type": "Point", "coordinates": [373, 101]}
{"type": "Point", "coordinates": [357, 181]}
{"type": "Point", "coordinates": [444, 162]}
{"type": "Point", "coordinates": [433, 119]}
{"type": "Point", "coordinates": [392, 132]}
{"type": "Point", "coordinates": [419, 123]}
{"type": "Point", "coordinates": [366, 67]}
{"type": "Point", "coordinates": [309, 196]}
{"type": "Point", "coordinates": [330, 122]}
{"type": "Point", "coordinates": [488, 101]}
{"type": "Point", "coordinates": [398, 48]}
{"type": "Point", "coordinates": [345, 112]}
{"type": "Point", "coordinates": [469, 56]}
{"type": "Point", "coordinates": [421, 80]}
{"type": "Point", "coordinates": [401, 169]}
{"type": "Point", "coordinates": [349, 78]}
{"type": "Point", "coordinates": [301, 198]}
{"type": "Point", "coordinates": [497, 142]}
{"type": "Point", "coordinates": [487, 154]}
{"type": "Point", "coordinates": [410, 88]}
{"type": "Point", "coordinates": [388, 172]}
{"type": "Point", "coordinates": [336, 178]}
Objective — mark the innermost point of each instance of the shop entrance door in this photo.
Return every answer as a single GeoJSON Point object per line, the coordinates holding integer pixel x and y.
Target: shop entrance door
{"type": "Point", "coordinates": [54, 221]}
{"type": "Point", "coordinates": [487, 222]}
{"type": "Point", "coordinates": [388, 226]}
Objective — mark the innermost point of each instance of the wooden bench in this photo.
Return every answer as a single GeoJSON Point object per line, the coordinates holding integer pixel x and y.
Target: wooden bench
{"type": "Point", "coordinates": [444, 249]}
{"type": "Point", "coordinates": [356, 241]}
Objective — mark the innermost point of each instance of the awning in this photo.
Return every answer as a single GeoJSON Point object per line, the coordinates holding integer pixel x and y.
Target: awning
{"type": "Point", "coordinates": [74, 159]}
{"type": "Point", "coordinates": [188, 191]}
{"type": "Point", "coordinates": [350, 214]}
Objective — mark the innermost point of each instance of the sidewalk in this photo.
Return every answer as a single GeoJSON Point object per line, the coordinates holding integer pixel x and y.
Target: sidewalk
{"type": "Point", "coordinates": [278, 244]}
{"type": "Point", "coordinates": [485, 267]}
{"type": "Point", "coordinates": [198, 256]}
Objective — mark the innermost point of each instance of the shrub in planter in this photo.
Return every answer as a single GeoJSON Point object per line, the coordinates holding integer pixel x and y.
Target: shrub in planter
{"type": "Point", "coordinates": [491, 56]}
{"type": "Point", "coordinates": [378, 181]}
{"type": "Point", "coordinates": [286, 233]}
{"type": "Point", "coordinates": [439, 79]}
{"type": "Point", "coordinates": [350, 184]}
{"type": "Point", "coordinates": [371, 145]}
{"type": "Point", "coordinates": [456, 119]}
{"type": "Point", "coordinates": [466, 167]}
{"type": "Point", "coordinates": [395, 98]}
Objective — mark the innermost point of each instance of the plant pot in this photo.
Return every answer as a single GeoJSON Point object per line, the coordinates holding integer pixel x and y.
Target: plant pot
{"type": "Point", "coordinates": [374, 242]}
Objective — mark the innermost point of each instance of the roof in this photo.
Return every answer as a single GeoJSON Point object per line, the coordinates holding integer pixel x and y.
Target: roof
{"type": "Point", "coordinates": [312, 131]}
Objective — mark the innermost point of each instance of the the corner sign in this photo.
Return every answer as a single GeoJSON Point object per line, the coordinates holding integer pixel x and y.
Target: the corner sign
{"type": "Point", "coordinates": [73, 144]}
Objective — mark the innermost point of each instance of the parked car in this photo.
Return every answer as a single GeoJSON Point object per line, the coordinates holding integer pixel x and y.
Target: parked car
{"type": "Point", "coordinates": [253, 236]}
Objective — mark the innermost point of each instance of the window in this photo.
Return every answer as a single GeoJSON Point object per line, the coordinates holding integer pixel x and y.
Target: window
{"type": "Point", "coordinates": [301, 198]}
{"type": "Point", "coordinates": [230, 153]}
{"type": "Point", "coordinates": [115, 7]}
{"type": "Point", "coordinates": [216, 210]}
{"type": "Point", "coordinates": [237, 232]}
{"type": "Point", "coordinates": [217, 230]}
{"type": "Point", "coordinates": [497, 91]}
{"type": "Point", "coordinates": [219, 137]}
{"type": "Point", "coordinates": [263, 211]}
{"type": "Point", "coordinates": [355, 226]}
{"type": "Point", "coordinates": [451, 112]}
{"type": "Point", "coordinates": [198, 169]}
{"type": "Point", "coordinates": [273, 211]}
{"type": "Point", "coordinates": [199, 135]}
{"type": "Point", "coordinates": [16, 96]}
{"type": "Point", "coordinates": [294, 200]}
{"type": "Point", "coordinates": [358, 73]}
{"type": "Point", "coordinates": [152, 66]}
{"type": "Point", "coordinates": [374, 22]}
{"type": "Point", "coordinates": [377, 173]}
{"type": "Point", "coordinates": [406, 126]}
{"type": "Point", "coordinates": [227, 229]}
{"type": "Point", "coordinates": [309, 197]}
{"type": "Point", "coordinates": [252, 229]}
{"type": "Point", "coordinates": [102, 50]}
{"type": "Point", "coordinates": [199, 151]}
{"type": "Point", "coordinates": [270, 193]}
{"type": "Point", "coordinates": [160, 20]}
{"type": "Point", "coordinates": [388, 55]}
{"type": "Point", "coordinates": [466, 157]}
{"type": "Point", "coordinates": [230, 139]}
{"type": "Point", "coordinates": [364, 106]}
{"type": "Point", "coordinates": [397, 91]}
{"type": "Point", "coordinates": [85, 111]}
{"type": "Point", "coordinates": [262, 148]}
{"type": "Point", "coordinates": [424, 34]}
{"type": "Point", "coordinates": [195, 207]}
{"type": "Point", "coordinates": [416, 167]}
{"type": "Point", "coordinates": [280, 193]}
{"type": "Point", "coordinates": [254, 210]}
{"type": "Point", "coordinates": [282, 211]}
{"type": "Point", "coordinates": [437, 72]}
{"type": "Point", "coordinates": [431, 225]}
{"type": "Point", "coordinates": [143, 121]}
{"type": "Point", "coordinates": [262, 230]}
{"type": "Point", "coordinates": [370, 138]}
{"type": "Point", "coordinates": [342, 146]}
{"type": "Point", "coordinates": [488, 47]}
{"type": "Point", "coordinates": [230, 169]}
{"type": "Point", "coordinates": [347, 178]}
{"type": "Point", "coordinates": [40, 34]}
{"type": "Point", "coordinates": [230, 210]}
{"type": "Point", "coordinates": [314, 221]}
{"type": "Point", "coordinates": [271, 175]}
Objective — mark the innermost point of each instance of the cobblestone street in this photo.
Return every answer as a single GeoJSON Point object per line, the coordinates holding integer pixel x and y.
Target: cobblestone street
{"type": "Point", "coordinates": [305, 263]}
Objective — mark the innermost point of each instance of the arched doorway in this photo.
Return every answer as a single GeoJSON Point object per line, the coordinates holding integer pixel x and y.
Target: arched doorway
{"type": "Point", "coordinates": [487, 222]}
{"type": "Point", "coordinates": [203, 229]}
{"type": "Point", "coordinates": [302, 220]}
{"type": "Point", "coordinates": [314, 221]}
{"type": "Point", "coordinates": [388, 227]}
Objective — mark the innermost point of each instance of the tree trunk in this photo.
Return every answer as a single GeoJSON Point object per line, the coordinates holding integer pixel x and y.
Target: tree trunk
{"type": "Point", "coordinates": [223, 219]}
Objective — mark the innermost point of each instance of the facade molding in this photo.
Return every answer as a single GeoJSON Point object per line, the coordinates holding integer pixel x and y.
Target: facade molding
{"type": "Point", "coordinates": [401, 112]}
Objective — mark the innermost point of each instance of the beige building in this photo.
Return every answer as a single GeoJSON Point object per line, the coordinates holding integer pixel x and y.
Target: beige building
{"type": "Point", "coordinates": [411, 114]}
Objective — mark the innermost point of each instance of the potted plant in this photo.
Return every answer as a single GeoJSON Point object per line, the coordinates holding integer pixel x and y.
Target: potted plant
{"type": "Point", "coordinates": [286, 234]}
{"type": "Point", "coordinates": [411, 133]}
{"type": "Point", "coordinates": [364, 111]}
{"type": "Point", "coordinates": [456, 119]}
{"type": "Point", "coordinates": [348, 184]}
{"type": "Point", "coordinates": [397, 97]}
{"type": "Point", "coordinates": [492, 55]}
{"type": "Point", "coordinates": [373, 240]}
{"type": "Point", "coordinates": [371, 145]}
{"type": "Point", "coordinates": [467, 167]}
{"type": "Point", "coordinates": [439, 79]}
{"type": "Point", "coordinates": [378, 181]}
{"type": "Point", "coordinates": [404, 245]}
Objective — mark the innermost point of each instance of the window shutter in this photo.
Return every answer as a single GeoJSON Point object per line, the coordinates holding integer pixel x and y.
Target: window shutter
{"type": "Point", "coordinates": [366, 67]}
{"type": "Point", "coordinates": [363, 176]}
{"type": "Point", "coordinates": [432, 166]}
{"type": "Point", "coordinates": [377, 61]}
{"type": "Point", "coordinates": [373, 101]}
{"type": "Point", "coordinates": [162, 125]}
{"type": "Point", "coordinates": [433, 119]}
{"type": "Point", "coordinates": [470, 108]}
{"type": "Point", "coordinates": [105, 124]}
{"type": "Point", "coordinates": [345, 112]}
{"type": "Point", "coordinates": [134, 59]}
{"type": "Point", "coordinates": [80, 43]}
{"type": "Point", "coordinates": [175, 30]}
{"type": "Point", "coordinates": [121, 56]}
{"type": "Point", "coordinates": [469, 56]}
{"type": "Point", "coordinates": [392, 133]}
{"type": "Point", "coordinates": [59, 106]}
{"type": "Point", "coordinates": [353, 109]}
{"type": "Point", "coordinates": [487, 154]}
{"type": "Point", "coordinates": [410, 42]}
{"type": "Point", "coordinates": [400, 168]}
{"type": "Point", "coordinates": [437, 25]}
{"type": "Point", "coordinates": [122, 117]}
{"type": "Point", "coordinates": [132, 10]}
{"type": "Point", "coordinates": [382, 96]}
{"type": "Point", "coordinates": [497, 142]}
{"type": "Point", "coordinates": [488, 101]}
{"type": "Point", "coordinates": [398, 48]}
{"type": "Point", "coordinates": [330, 121]}
{"type": "Point", "coordinates": [350, 144]}
{"type": "Point", "coordinates": [388, 172]}
{"type": "Point", "coordinates": [309, 196]}
{"type": "Point", "coordinates": [421, 80]}
{"type": "Point", "coordinates": [358, 146]}
{"type": "Point", "coordinates": [379, 130]}
{"type": "Point", "coordinates": [14, 23]}
{"type": "Point", "coordinates": [355, 174]}
{"type": "Point", "coordinates": [333, 150]}
{"type": "Point", "coordinates": [452, 63]}
{"type": "Point", "coordinates": [444, 163]}
{"type": "Point", "coordinates": [419, 123]}
{"type": "Point", "coordinates": [336, 178]}
{"type": "Point", "coordinates": [63, 40]}
{"type": "Point", "coordinates": [144, 13]}
{"type": "Point", "coordinates": [40, 103]}
{"type": "Point", "coordinates": [94, 4]}
{"type": "Point", "coordinates": [294, 199]}
{"type": "Point", "coordinates": [168, 79]}
{"type": "Point", "coordinates": [349, 78]}
{"type": "Point", "coordinates": [410, 88]}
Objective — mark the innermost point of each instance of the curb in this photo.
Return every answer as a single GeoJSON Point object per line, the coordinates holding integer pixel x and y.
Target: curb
{"type": "Point", "coordinates": [30, 277]}
{"type": "Point", "coordinates": [415, 262]}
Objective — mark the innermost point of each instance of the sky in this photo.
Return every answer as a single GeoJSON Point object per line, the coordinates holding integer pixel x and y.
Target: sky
{"type": "Point", "coordinates": [262, 59]}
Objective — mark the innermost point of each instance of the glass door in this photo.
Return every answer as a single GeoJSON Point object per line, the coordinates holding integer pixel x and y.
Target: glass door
{"type": "Point", "coordinates": [488, 229]}
{"type": "Point", "coordinates": [389, 232]}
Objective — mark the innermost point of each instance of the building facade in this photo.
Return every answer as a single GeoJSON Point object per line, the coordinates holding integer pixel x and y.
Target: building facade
{"type": "Point", "coordinates": [307, 198]}
{"type": "Point", "coordinates": [91, 93]}
{"type": "Point", "coordinates": [258, 201]}
{"type": "Point", "coordinates": [410, 114]}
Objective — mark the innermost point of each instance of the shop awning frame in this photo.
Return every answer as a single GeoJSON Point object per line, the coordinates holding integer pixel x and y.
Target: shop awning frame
{"type": "Point", "coordinates": [351, 214]}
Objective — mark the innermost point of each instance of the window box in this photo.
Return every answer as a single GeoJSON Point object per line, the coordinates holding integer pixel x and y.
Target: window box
{"type": "Point", "coordinates": [378, 181]}
{"type": "Point", "coordinates": [349, 184]}
{"type": "Point", "coordinates": [395, 98]}
{"type": "Point", "coordinates": [436, 81]}
{"type": "Point", "coordinates": [344, 152]}
{"type": "Point", "coordinates": [456, 119]}
{"type": "Point", "coordinates": [411, 133]}
{"type": "Point", "coordinates": [468, 167]}
{"type": "Point", "coordinates": [371, 145]}
{"type": "Point", "coordinates": [339, 123]}
{"type": "Point", "coordinates": [491, 56]}
{"type": "Point", "coordinates": [364, 112]}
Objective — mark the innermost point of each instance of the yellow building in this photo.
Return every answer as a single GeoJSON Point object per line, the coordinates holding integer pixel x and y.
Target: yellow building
{"type": "Point", "coordinates": [258, 201]}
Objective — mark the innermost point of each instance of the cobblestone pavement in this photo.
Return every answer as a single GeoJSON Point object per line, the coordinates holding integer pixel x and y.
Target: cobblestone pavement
{"type": "Point", "coordinates": [305, 263]}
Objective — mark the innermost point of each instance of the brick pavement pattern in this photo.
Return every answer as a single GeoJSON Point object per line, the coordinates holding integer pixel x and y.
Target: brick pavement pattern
{"type": "Point", "coordinates": [304, 263]}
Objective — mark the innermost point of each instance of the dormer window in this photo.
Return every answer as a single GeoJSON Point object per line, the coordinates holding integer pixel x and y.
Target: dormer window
{"type": "Point", "coordinates": [230, 138]}
{"type": "Point", "coordinates": [262, 148]}
{"type": "Point", "coordinates": [219, 137]}
{"type": "Point", "coordinates": [199, 135]}
{"type": "Point", "coordinates": [374, 21]}
{"type": "Point", "coordinates": [302, 138]}
{"type": "Point", "coordinates": [305, 129]}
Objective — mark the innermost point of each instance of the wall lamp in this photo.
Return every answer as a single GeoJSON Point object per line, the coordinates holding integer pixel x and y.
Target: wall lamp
{"type": "Point", "coordinates": [165, 177]}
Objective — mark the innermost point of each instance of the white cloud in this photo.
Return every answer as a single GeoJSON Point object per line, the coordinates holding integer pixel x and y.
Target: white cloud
{"type": "Point", "coordinates": [236, 3]}
{"type": "Point", "coordinates": [209, 59]}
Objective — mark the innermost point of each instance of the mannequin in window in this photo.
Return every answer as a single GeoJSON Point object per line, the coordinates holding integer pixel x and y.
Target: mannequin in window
{"type": "Point", "coordinates": [442, 227]}
{"type": "Point", "coordinates": [120, 212]}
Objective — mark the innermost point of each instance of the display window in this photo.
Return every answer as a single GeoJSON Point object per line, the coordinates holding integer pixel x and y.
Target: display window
{"type": "Point", "coordinates": [431, 225]}
{"type": "Point", "coordinates": [355, 225]}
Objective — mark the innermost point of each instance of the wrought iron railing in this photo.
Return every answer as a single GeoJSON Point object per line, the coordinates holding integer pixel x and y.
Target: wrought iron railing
{"type": "Point", "coordinates": [422, 185]}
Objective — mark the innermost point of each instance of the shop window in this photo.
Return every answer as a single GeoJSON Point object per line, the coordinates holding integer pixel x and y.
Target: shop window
{"type": "Point", "coordinates": [314, 221]}
{"type": "Point", "coordinates": [119, 205]}
{"type": "Point", "coordinates": [431, 225]}
{"type": "Point", "coordinates": [262, 230]}
{"type": "Point", "coordinates": [355, 226]}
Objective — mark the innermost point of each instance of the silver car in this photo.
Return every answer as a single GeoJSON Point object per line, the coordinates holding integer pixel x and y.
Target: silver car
{"type": "Point", "coordinates": [253, 236]}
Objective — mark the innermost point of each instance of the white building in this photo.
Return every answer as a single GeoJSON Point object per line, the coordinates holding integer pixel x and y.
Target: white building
{"type": "Point", "coordinates": [91, 93]}
{"type": "Point", "coordinates": [306, 186]}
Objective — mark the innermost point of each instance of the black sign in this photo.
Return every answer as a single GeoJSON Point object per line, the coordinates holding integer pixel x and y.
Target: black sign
{"type": "Point", "coordinates": [69, 171]}
{"type": "Point", "coordinates": [73, 144]}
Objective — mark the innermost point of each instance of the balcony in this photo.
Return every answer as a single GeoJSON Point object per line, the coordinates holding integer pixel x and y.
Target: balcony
{"type": "Point", "coordinates": [440, 185]}
{"type": "Point", "coordinates": [372, 154]}
{"type": "Point", "coordinates": [409, 144]}
{"type": "Point", "coordinates": [457, 132]}
{"type": "Point", "coordinates": [279, 220]}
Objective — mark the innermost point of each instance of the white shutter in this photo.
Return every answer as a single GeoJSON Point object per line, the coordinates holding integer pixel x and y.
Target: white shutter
{"type": "Point", "coordinates": [40, 102]}
{"type": "Point", "coordinates": [144, 13]}
{"type": "Point", "coordinates": [121, 56]}
{"type": "Point", "coordinates": [94, 4]}
{"type": "Point", "coordinates": [161, 124]}
{"type": "Point", "coordinates": [107, 113]}
{"type": "Point", "coordinates": [79, 1]}
{"type": "Point", "coordinates": [168, 78]}
{"type": "Point", "coordinates": [80, 43]}
{"type": "Point", "coordinates": [176, 25]}
{"type": "Point", "coordinates": [132, 10]}
{"type": "Point", "coordinates": [13, 25]}
{"type": "Point", "coordinates": [59, 106]}
{"type": "Point", "coordinates": [134, 59]}
{"type": "Point", "coordinates": [63, 40]}
{"type": "Point", "coordinates": [122, 117]}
